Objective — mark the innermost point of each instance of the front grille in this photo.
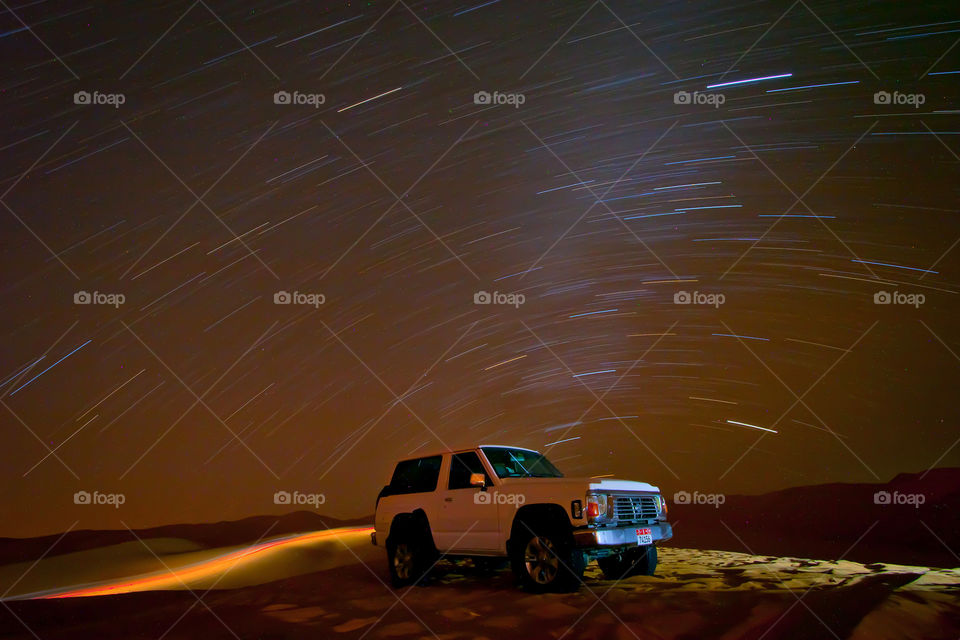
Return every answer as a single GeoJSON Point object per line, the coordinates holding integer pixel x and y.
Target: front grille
{"type": "Point", "coordinates": [635, 507]}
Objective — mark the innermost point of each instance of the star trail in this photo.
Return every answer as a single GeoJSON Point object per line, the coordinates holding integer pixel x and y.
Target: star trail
{"type": "Point", "coordinates": [251, 247]}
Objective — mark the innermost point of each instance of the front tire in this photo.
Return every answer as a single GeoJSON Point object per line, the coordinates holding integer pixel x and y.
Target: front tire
{"type": "Point", "coordinates": [637, 561]}
{"type": "Point", "coordinates": [547, 561]}
{"type": "Point", "coordinates": [646, 562]}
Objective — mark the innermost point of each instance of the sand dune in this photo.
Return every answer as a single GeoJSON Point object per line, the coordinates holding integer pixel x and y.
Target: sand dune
{"type": "Point", "coordinates": [157, 564]}
{"type": "Point", "coordinates": [834, 520]}
{"type": "Point", "coordinates": [332, 584]}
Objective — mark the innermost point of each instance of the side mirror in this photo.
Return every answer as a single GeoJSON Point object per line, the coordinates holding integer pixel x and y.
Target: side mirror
{"type": "Point", "coordinates": [477, 480]}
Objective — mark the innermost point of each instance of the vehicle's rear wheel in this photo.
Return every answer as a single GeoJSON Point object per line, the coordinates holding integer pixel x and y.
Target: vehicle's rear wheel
{"type": "Point", "coordinates": [637, 561]}
{"type": "Point", "coordinates": [409, 557]}
{"type": "Point", "coordinates": [547, 561]}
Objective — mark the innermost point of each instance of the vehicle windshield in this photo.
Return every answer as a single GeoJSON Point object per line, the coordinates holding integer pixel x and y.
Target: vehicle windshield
{"type": "Point", "coordinates": [520, 463]}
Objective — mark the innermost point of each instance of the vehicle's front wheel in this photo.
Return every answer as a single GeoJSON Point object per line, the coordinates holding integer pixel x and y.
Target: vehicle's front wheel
{"type": "Point", "coordinates": [637, 561]}
{"type": "Point", "coordinates": [409, 558]}
{"type": "Point", "coordinates": [547, 561]}
{"type": "Point", "coordinates": [645, 562]}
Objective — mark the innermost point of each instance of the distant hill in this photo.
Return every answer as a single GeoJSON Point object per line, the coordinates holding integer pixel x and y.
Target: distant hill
{"type": "Point", "coordinates": [214, 534]}
{"type": "Point", "coordinates": [824, 521]}
{"type": "Point", "coordinates": [818, 521]}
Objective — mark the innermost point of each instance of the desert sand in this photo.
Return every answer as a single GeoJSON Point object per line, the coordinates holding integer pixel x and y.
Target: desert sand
{"type": "Point", "coordinates": [333, 584]}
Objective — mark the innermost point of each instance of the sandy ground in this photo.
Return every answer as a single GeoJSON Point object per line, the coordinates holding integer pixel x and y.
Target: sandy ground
{"type": "Point", "coordinates": [177, 564]}
{"type": "Point", "coordinates": [333, 585]}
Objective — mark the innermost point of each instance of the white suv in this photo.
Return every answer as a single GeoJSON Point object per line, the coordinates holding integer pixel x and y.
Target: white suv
{"type": "Point", "coordinates": [494, 502]}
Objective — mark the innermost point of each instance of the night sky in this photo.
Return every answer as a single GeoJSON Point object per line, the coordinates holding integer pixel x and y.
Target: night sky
{"type": "Point", "coordinates": [793, 199]}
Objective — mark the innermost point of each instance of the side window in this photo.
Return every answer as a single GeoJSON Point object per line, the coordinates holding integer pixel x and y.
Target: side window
{"type": "Point", "coordinates": [416, 476]}
{"type": "Point", "coordinates": [461, 466]}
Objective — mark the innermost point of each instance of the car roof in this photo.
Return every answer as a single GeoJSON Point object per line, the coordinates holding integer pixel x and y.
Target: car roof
{"type": "Point", "coordinates": [507, 446]}
{"type": "Point", "coordinates": [441, 452]}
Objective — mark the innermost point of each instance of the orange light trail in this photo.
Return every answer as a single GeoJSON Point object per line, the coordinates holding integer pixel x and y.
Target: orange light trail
{"type": "Point", "coordinates": [224, 563]}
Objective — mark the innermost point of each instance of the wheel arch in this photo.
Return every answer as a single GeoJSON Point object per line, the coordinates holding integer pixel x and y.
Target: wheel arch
{"type": "Point", "coordinates": [415, 522]}
{"type": "Point", "coordinates": [531, 516]}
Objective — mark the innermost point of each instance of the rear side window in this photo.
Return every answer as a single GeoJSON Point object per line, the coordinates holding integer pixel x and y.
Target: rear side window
{"type": "Point", "coordinates": [461, 466]}
{"type": "Point", "coordinates": [416, 476]}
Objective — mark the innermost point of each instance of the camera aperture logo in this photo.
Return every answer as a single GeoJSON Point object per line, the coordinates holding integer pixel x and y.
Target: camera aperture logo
{"type": "Point", "coordinates": [312, 299]}
{"type": "Point", "coordinates": [895, 297]}
{"type": "Point", "coordinates": [497, 297]}
{"type": "Point", "coordinates": [97, 498]}
{"type": "Point", "coordinates": [112, 299]}
{"type": "Point", "coordinates": [897, 98]}
{"type": "Point", "coordinates": [912, 499]}
{"type": "Point", "coordinates": [297, 98]}
{"type": "Point", "coordinates": [686, 97]}
{"type": "Point", "coordinates": [712, 299]}
{"type": "Point", "coordinates": [97, 98]}
{"type": "Point", "coordinates": [497, 98]}
{"type": "Point", "coordinates": [495, 497]}
{"type": "Point", "coordinates": [685, 497]}
{"type": "Point", "coordinates": [297, 498]}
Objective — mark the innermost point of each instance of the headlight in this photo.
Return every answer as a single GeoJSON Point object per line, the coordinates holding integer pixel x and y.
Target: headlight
{"type": "Point", "coordinates": [596, 506]}
{"type": "Point", "coordinates": [663, 506]}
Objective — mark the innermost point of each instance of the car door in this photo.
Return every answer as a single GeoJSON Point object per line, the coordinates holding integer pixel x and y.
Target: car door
{"type": "Point", "coordinates": [468, 515]}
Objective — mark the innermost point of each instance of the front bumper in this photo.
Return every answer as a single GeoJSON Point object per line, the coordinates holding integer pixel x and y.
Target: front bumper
{"type": "Point", "coordinates": [625, 535]}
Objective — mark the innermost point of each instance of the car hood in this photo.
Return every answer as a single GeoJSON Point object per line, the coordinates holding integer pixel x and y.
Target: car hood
{"type": "Point", "coordinates": [591, 484]}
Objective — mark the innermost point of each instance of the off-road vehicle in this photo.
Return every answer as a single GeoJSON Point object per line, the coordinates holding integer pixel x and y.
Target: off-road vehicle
{"type": "Point", "coordinates": [497, 502]}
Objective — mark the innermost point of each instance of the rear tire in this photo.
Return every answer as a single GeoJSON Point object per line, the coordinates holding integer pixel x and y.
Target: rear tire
{"type": "Point", "coordinates": [546, 560]}
{"type": "Point", "coordinates": [410, 554]}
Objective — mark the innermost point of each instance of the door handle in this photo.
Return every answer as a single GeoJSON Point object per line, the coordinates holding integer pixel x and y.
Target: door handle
{"type": "Point", "coordinates": [448, 499]}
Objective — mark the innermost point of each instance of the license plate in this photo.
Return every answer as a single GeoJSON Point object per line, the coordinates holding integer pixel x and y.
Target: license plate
{"type": "Point", "coordinates": [644, 536]}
